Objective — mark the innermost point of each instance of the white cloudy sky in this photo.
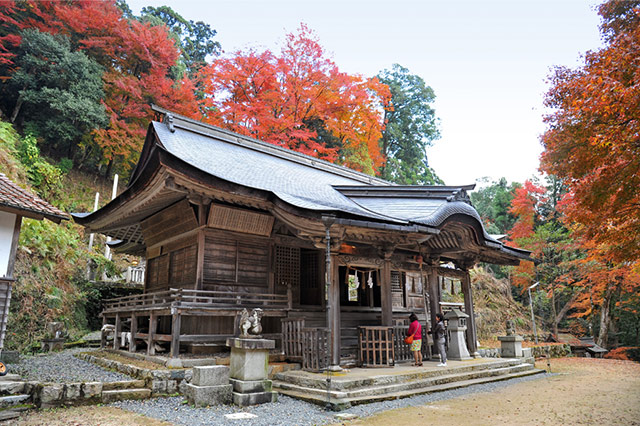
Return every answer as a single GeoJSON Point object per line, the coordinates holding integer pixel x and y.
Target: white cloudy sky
{"type": "Point", "coordinates": [486, 60]}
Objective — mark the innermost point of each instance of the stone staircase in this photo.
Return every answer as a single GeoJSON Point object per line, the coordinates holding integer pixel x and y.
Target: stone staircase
{"type": "Point", "coordinates": [14, 397]}
{"type": "Point", "coordinates": [128, 389]}
{"type": "Point", "coordinates": [400, 382]}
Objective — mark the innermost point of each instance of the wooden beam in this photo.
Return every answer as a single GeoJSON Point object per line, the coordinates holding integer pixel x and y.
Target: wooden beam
{"type": "Point", "coordinates": [14, 247]}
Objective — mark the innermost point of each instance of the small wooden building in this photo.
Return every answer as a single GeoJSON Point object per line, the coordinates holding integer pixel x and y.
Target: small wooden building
{"type": "Point", "coordinates": [329, 254]}
{"type": "Point", "coordinates": [16, 203]}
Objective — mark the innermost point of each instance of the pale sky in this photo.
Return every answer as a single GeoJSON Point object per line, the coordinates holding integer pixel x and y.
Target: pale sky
{"type": "Point", "coordinates": [487, 61]}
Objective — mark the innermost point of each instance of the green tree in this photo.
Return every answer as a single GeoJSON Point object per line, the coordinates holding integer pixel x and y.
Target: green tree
{"type": "Point", "coordinates": [56, 91]}
{"type": "Point", "coordinates": [195, 39]}
{"type": "Point", "coordinates": [411, 126]}
{"type": "Point", "coordinates": [493, 202]}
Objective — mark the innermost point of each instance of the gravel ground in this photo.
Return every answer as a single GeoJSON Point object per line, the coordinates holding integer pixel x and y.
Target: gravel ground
{"type": "Point", "coordinates": [63, 367]}
{"type": "Point", "coordinates": [287, 411]}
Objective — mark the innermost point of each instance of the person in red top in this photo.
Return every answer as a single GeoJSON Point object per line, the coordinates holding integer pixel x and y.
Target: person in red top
{"type": "Point", "coordinates": [415, 329]}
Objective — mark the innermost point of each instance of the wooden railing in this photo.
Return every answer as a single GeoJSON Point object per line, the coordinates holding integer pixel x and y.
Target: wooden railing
{"type": "Point", "coordinates": [376, 346]}
{"type": "Point", "coordinates": [197, 299]}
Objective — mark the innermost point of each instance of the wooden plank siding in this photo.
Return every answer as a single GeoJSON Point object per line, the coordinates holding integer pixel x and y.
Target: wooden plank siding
{"type": "Point", "coordinates": [236, 262]}
{"type": "Point", "coordinates": [170, 222]}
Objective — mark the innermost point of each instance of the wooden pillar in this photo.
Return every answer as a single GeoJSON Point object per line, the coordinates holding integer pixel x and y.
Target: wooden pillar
{"type": "Point", "coordinates": [153, 325]}
{"type": "Point", "coordinates": [116, 333]}
{"type": "Point", "coordinates": [175, 334]}
{"type": "Point", "coordinates": [471, 334]}
{"type": "Point", "coordinates": [134, 330]}
{"type": "Point", "coordinates": [434, 292]}
{"type": "Point", "coordinates": [334, 311]}
{"type": "Point", "coordinates": [386, 294]}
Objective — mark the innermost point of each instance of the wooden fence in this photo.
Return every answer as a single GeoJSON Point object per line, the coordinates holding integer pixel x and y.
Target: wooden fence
{"type": "Point", "coordinates": [402, 350]}
{"type": "Point", "coordinates": [315, 348]}
{"type": "Point", "coordinates": [292, 338]}
{"type": "Point", "coordinates": [376, 346]}
{"type": "Point", "coordinates": [310, 346]}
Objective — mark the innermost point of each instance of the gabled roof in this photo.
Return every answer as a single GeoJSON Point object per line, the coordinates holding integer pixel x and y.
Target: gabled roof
{"type": "Point", "coordinates": [16, 200]}
{"type": "Point", "coordinates": [216, 157]}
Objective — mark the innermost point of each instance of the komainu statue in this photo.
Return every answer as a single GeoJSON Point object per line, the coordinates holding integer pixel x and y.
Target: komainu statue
{"type": "Point", "coordinates": [250, 326]}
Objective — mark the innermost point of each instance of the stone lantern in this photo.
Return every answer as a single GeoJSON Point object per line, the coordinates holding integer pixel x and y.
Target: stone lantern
{"type": "Point", "coordinates": [457, 326]}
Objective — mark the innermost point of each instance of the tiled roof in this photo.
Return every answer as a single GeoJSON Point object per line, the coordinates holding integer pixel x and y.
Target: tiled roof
{"type": "Point", "coordinates": [14, 198]}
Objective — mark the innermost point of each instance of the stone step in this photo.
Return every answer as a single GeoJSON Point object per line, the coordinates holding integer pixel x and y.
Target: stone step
{"type": "Point", "coordinates": [12, 413]}
{"type": "Point", "coordinates": [122, 394]}
{"type": "Point", "coordinates": [391, 386]}
{"type": "Point", "coordinates": [344, 403]}
{"type": "Point", "coordinates": [11, 400]}
{"type": "Point", "coordinates": [440, 380]}
{"type": "Point", "coordinates": [11, 378]}
{"type": "Point", "coordinates": [11, 388]}
{"type": "Point", "coordinates": [312, 381]}
{"type": "Point", "coordinates": [124, 384]}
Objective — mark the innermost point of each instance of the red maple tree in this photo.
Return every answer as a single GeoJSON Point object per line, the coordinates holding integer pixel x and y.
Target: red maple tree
{"type": "Point", "coordinates": [288, 99]}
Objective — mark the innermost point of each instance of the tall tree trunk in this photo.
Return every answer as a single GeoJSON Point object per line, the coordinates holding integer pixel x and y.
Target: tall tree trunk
{"type": "Point", "coordinates": [16, 110]}
{"type": "Point", "coordinates": [108, 171]}
{"type": "Point", "coordinates": [564, 311]}
{"type": "Point", "coordinates": [554, 314]}
{"type": "Point", "coordinates": [605, 315]}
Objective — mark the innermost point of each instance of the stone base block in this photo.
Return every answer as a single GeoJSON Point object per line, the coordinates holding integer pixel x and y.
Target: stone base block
{"type": "Point", "coordinates": [251, 386]}
{"type": "Point", "coordinates": [213, 375]}
{"type": "Point", "coordinates": [511, 346]}
{"type": "Point", "coordinates": [203, 396]}
{"type": "Point", "coordinates": [245, 399]}
{"type": "Point", "coordinates": [249, 364]}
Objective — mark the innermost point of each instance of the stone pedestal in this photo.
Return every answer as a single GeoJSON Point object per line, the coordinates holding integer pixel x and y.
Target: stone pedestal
{"type": "Point", "coordinates": [511, 346]}
{"type": "Point", "coordinates": [248, 369]}
{"type": "Point", "coordinates": [209, 386]}
{"type": "Point", "coordinates": [49, 345]}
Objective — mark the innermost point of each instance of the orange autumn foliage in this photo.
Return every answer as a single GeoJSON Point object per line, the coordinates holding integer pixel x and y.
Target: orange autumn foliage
{"type": "Point", "coordinates": [592, 137]}
{"type": "Point", "coordinates": [524, 208]}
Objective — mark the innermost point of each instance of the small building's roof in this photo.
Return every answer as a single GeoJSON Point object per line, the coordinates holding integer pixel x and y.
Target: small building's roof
{"type": "Point", "coordinates": [14, 199]}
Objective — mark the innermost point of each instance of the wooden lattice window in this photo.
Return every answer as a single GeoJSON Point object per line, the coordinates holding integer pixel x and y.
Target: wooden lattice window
{"type": "Point", "coordinates": [287, 266]}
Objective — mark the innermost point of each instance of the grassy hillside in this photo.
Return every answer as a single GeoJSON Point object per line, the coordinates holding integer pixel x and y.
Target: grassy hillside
{"type": "Point", "coordinates": [494, 305]}
{"type": "Point", "coordinates": [52, 259]}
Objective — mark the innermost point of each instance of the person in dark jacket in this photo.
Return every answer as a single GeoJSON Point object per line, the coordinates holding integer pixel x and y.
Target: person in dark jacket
{"type": "Point", "coordinates": [415, 330]}
{"type": "Point", "coordinates": [439, 336]}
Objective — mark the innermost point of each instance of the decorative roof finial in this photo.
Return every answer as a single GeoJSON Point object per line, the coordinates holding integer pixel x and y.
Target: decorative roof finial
{"type": "Point", "coordinates": [168, 120]}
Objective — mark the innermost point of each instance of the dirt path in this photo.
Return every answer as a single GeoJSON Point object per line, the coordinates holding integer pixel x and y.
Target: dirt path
{"type": "Point", "coordinates": [85, 416]}
{"type": "Point", "coordinates": [585, 391]}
